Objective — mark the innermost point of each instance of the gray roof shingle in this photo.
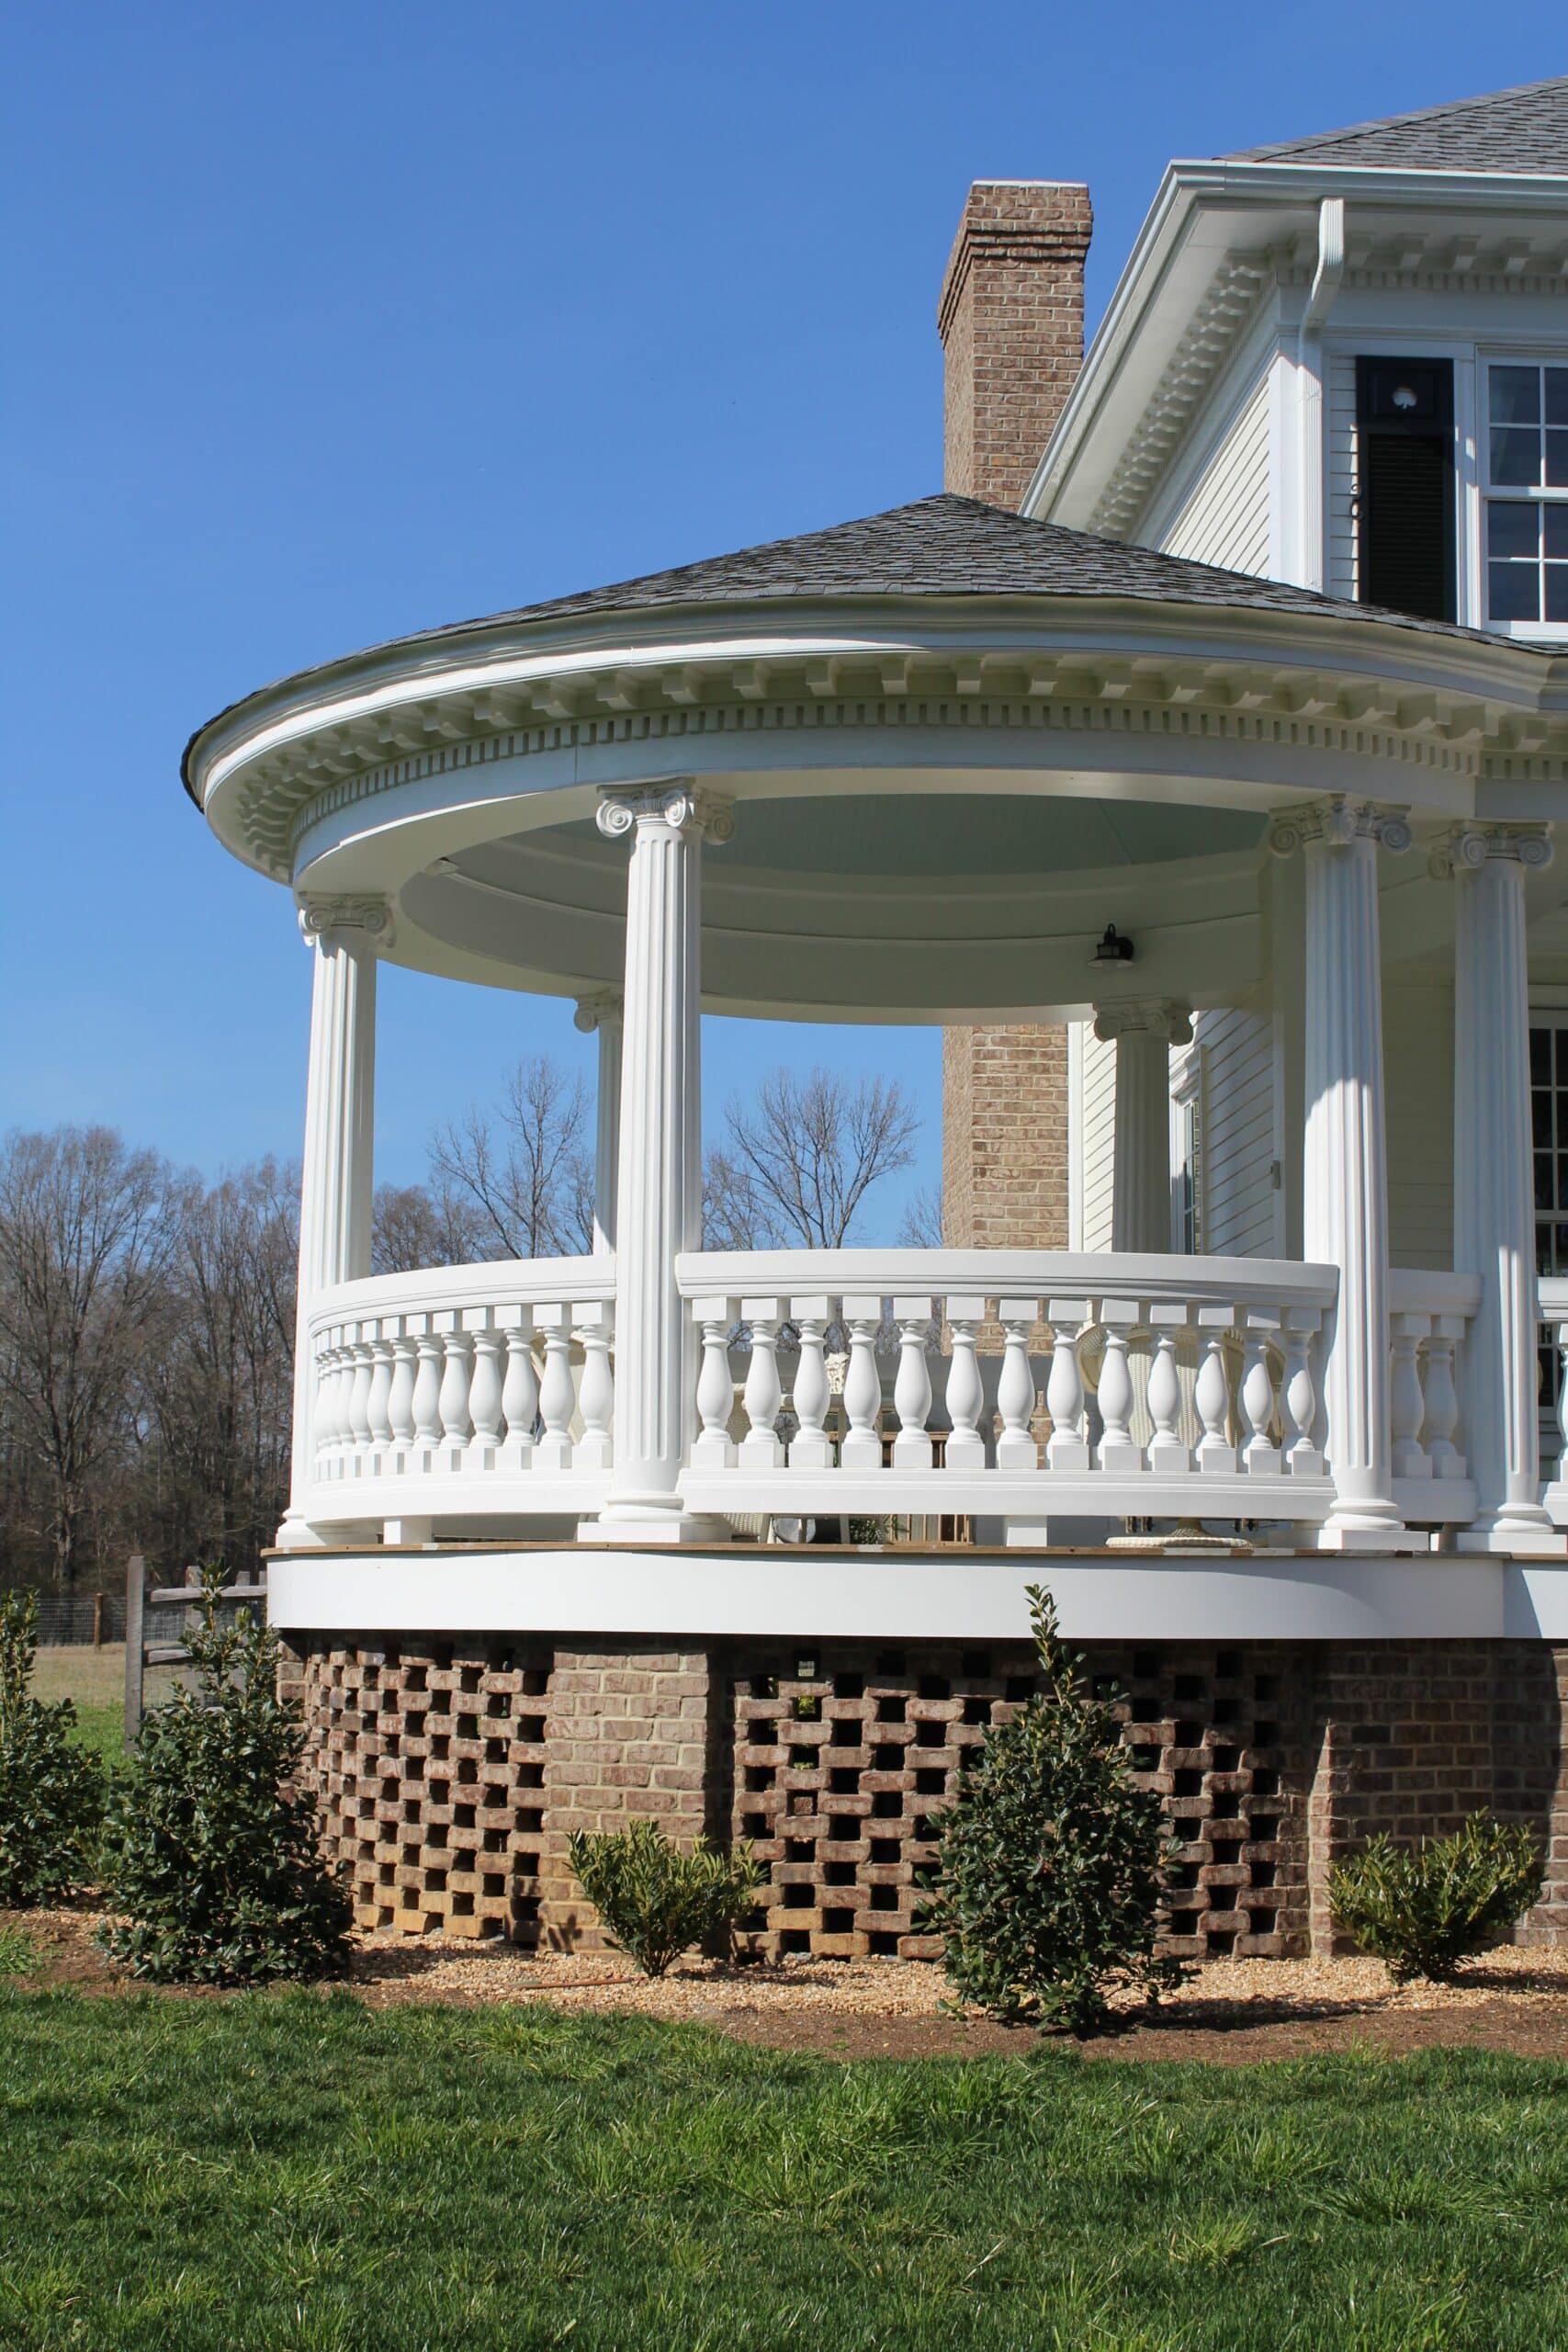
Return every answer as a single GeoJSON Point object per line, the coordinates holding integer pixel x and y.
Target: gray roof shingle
{"type": "Point", "coordinates": [944, 545]}
{"type": "Point", "coordinates": [1509, 131]}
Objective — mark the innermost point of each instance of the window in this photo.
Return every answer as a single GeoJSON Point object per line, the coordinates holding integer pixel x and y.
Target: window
{"type": "Point", "coordinates": [1527, 492]}
{"type": "Point", "coordinates": [1404, 485]}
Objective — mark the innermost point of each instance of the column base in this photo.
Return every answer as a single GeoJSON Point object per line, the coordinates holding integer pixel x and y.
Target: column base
{"type": "Point", "coordinates": [637, 1521]}
{"type": "Point", "coordinates": [1524, 1534]}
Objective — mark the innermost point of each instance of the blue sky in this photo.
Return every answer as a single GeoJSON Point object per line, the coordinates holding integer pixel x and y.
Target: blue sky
{"type": "Point", "coordinates": [327, 322]}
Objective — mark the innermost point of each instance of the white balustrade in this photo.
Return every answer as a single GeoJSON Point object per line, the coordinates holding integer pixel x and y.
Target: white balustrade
{"type": "Point", "coordinates": [1429, 1314]}
{"type": "Point", "coordinates": [1553, 1404]}
{"type": "Point", "coordinates": [1166, 1385]}
{"type": "Point", "coordinates": [467, 1389]}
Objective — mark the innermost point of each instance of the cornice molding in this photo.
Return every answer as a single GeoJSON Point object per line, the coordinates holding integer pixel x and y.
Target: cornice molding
{"type": "Point", "coordinates": [1466, 849]}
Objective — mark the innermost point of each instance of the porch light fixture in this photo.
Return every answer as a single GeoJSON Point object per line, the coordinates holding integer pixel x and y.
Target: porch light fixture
{"type": "Point", "coordinates": [1112, 948]}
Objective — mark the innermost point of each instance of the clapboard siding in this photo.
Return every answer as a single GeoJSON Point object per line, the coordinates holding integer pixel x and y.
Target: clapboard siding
{"type": "Point", "coordinates": [1225, 518]}
{"type": "Point", "coordinates": [1098, 1115]}
{"type": "Point", "coordinates": [1339, 475]}
{"type": "Point", "coordinates": [1417, 1037]}
{"type": "Point", "coordinates": [1239, 1133]}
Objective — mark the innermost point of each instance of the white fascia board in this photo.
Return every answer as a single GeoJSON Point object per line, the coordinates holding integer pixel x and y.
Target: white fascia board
{"type": "Point", "coordinates": [1191, 187]}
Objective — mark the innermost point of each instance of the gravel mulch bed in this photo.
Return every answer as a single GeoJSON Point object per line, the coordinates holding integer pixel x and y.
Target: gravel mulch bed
{"type": "Point", "coordinates": [1231, 2010]}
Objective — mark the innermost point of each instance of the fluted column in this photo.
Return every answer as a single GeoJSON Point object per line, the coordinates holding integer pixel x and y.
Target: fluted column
{"type": "Point", "coordinates": [1144, 1031]}
{"type": "Point", "coordinates": [1494, 1197]}
{"type": "Point", "coordinates": [658, 1197]}
{"type": "Point", "coordinates": [1345, 1178]}
{"type": "Point", "coordinates": [601, 1013]}
{"type": "Point", "coordinates": [337, 1174]}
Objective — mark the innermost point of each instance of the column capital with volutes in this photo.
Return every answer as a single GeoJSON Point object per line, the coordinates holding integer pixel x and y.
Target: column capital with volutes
{"type": "Point", "coordinates": [681, 806]}
{"type": "Point", "coordinates": [600, 1008]}
{"type": "Point", "coordinates": [1144, 1017]}
{"type": "Point", "coordinates": [1337, 820]}
{"type": "Point", "coordinates": [361, 921]}
{"type": "Point", "coordinates": [1466, 848]}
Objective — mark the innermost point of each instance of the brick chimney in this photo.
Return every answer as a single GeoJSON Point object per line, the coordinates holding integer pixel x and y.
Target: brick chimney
{"type": "Point", "coordinates": [1011, 324]}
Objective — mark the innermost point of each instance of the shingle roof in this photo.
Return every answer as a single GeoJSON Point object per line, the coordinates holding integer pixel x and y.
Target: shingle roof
{"type": "Point", "coordinates": [1509, 131]}
{"type": "Point", "coordinates": [944, 545]}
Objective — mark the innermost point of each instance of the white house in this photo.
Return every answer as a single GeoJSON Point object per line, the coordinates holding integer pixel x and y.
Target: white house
{"type": "Point", "coordinates": [1242, 657]}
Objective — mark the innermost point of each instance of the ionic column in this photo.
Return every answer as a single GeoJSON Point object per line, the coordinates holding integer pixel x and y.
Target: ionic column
{"type": "Point", "coordinates": [1345, 1176]}
{"type": "Point", "coordinates": [659, 1196]}
{"type": "Point", "coordinates": [602, 1013]}
{"type": "Point", "coordinates": [344, 935]}
{"type": "Point", "coordinates": [1144, 1031]}
{"type": "Point", "coordinates": [1494, 1196]}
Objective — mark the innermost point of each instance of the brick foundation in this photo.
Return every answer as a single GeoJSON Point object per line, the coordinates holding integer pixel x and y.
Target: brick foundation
{"type": "Point", "coordinates": [452, 1771]}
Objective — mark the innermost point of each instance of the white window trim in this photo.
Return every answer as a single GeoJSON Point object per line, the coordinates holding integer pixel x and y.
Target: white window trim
{"type": "Point", "coordinates": [1540, 351]}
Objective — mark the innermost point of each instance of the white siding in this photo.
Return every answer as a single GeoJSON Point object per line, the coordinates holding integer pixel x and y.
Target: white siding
{"type": "Point", "coordinates": [1339, 475]}
{"type": "Point", "coordinates": [1098, 1115]}
{"type": "Point", "coordinates": [1240, 1202]}
{"type": "Point", "coordinates": [1418, 1044]}
{"type": "Point", "coordinates": [1224, 518]}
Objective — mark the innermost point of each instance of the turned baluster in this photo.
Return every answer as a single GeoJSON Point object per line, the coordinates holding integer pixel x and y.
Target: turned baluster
{"type": "Point", "coordinates": [1118, 1318]}
{"type": "Point", "coordinates": [760, 1448]}
{"type": "Point", "coordinates": [1443, 1400]}
{"type": "Point", "coordinates": [1016, 1449]}
{"type": "Point", "coordinates": [811, 1448]}
{"type": "Point", "coordinates": [519, 1391]}
{"type": "Point", "coordinates": [714, 1448]}
{"type": "Point", "coordinates": [1298, 1395]}
{"type": "Point", "coordinates": [427, 1391]}
{"type": "Point", "coordinates": [1212, 1397]}
{"type": "Point", "coordinates": [359, 1404]}
{"type": "Point", "coordinates": [484, 1391]}
{"type": "Point", "coordinates": [862, 1448]}
{"type": "Point", "coordinates": [597, 1391]}
{"type": "Point", "coordinates": [557, 1398]}
{"type": "Point", "coordinates": [328, 1362]}
{"type": "Point", "coordinates": [1067, 1448]}
{"type": "Point", "coordinates": [965, 1390]}
{"type": "Point", "coordinates": [912, 1385]}
{"type": "Point", "coordinates": [456, 1373]}
{"type": "Point", "coordinates": [1167, 1452]}
{"type": "Point", "coordinates": [379, 1407]}
{"type": "Point", "coordinates": [1260, 1455]}
{"type": "Point", "coordinates": [400, 1396]}
{"type": "Point", "coordinates": [1406, 1405]}
{"type": "Point", "coordinates": [1563, 1401]}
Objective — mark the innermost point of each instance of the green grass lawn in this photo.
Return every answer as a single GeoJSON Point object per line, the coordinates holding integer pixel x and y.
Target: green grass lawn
{"type": "Point", "coordinates": [301, 2171]}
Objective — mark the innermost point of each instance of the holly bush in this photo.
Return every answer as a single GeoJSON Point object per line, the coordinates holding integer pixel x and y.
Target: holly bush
{"type": "Point", "coordinates": [1047, 1880]}
{"type": "Point", "coordinates": [51, 1791]}
{"type": "Point", "coordinates": [652, 1899]}
{"type": "Point", "coordinates": [1423, 1909]}
{"type": "Point", "coordinates": [212, 1868]}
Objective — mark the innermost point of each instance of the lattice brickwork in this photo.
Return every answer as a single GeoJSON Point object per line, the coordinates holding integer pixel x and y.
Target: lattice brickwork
{"type": "Point", "coordinates": [839, 1763]}
{"type": "Point", "coordinates": [431, 1765]}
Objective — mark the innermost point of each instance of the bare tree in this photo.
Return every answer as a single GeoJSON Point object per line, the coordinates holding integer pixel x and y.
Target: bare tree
{"type": "Point", "coordinates": [526, 1172]}
{"type": "Point", "coordinates": [800, 1159]}
{"type": "Point", "coordinates": [921, 1228]}
{"type": "Point", "coordinates": [85, 1240]}
{"type": "Point", "coordinates": [418, 1225]}
{"type": "Point", "coordinates": [217, 1374]}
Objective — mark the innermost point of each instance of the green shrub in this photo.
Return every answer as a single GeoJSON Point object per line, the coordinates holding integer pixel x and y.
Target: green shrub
{"type": "Point", "coordinates": [51, 1791]}
{"type": "Point", "coordinates": [1423, 1909]}
{"type": "Point", "coordinates": [212, 1867]}
{"type": "Point", "coordinates": [653, 1900]}
{"type": "Point", "coordinates": [1046, 1883]}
